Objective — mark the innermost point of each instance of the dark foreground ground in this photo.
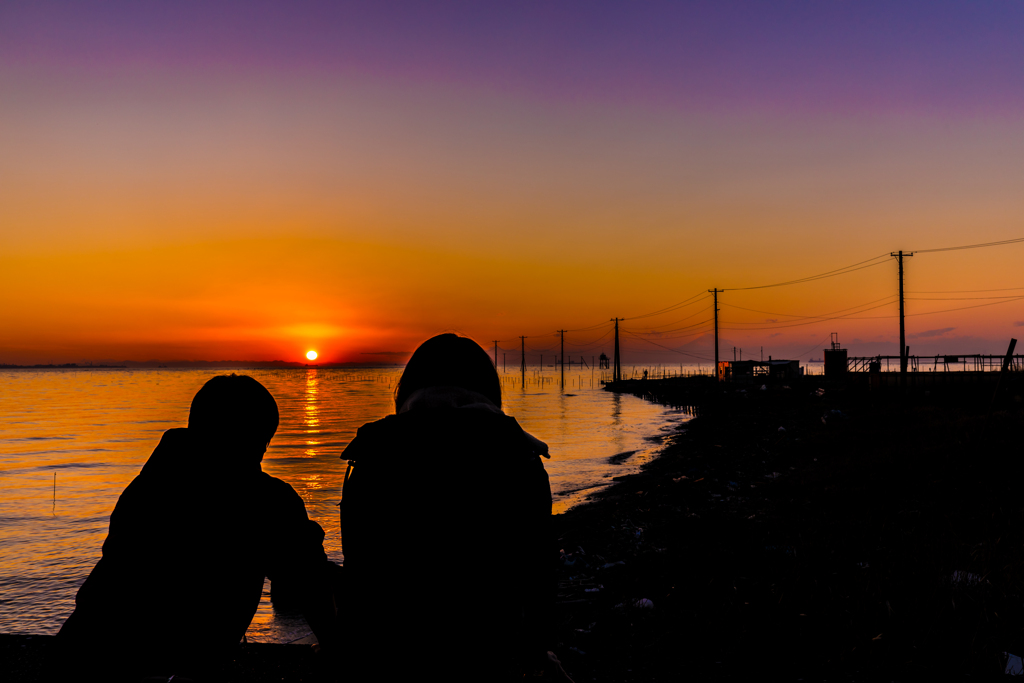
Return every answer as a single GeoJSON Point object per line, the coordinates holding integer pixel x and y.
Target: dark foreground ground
{"type": "Point", "coordinates": [29, 658]}
{"type": "Point", "coordinates": [787, 533]}
{"type": "Point", "coordinates": [851, 535]}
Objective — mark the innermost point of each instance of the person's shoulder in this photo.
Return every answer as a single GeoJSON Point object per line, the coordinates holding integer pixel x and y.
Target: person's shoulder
{"type": "Point", "coordinates": [525, 442]}
{"type": "Point", "coordinates": [274, 485]}
{"type": "Point", "coordinates": [161, 470]}
{"type": "Point", "coordinates": [453, 429]}
{"type": "Point", "coordinates": [372, 435]}
{"type": "Point", "coordinates": [175, 446]}
{"type": "Point", "coordinates": [283, 515]}
{"type": "Point", "coordinates": [274, 493]}
{"type": "Point", "coordinates": [378, 428]}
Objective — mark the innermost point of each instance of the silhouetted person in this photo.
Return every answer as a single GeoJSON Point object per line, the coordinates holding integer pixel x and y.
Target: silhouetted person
{"type": "Point", "coordinates": [190, 542]}
{"type": "Point", "coordinates": [446, 525]}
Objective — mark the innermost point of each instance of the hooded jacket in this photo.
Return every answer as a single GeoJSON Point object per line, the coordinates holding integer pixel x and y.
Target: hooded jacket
{"type": "Point", "coordinates": [190, 542]}
{"type": "Point", "coordinates": [446, 530]}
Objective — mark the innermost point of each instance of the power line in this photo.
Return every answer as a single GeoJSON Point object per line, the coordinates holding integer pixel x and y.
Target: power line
{"type": "Point", "coordinates": [817, 320]}
{"type": "Point", "coordinates": [592, 343]}
{"type": "Point", "coordinates": [881, 317]}
{"type": "Point", "coordinates": [814, 347]}
{"type": "Point", "coordinates": [673, 307]}
{"type": "Point", "coordinates": [1015, 240]}
{"type": "Point", "coordinates": [586, 329]}
{"type": "Point", "coordinates": [831, 273]}
{"type": "Point", "coordinates": [810, 320]}
{"type": "Point", "coordinates": [657, 328]}
{"type": "Point", "coordinates": [668, 348]}
{"type": "Point", "coordinates": [807, 320]}
{"type": "Point", "coordinates": [803, 317]}
{"type": "Point", "coordinates": [961, 298]}
{"type": "Point", "coordinates": [703, 330]}
{"type": "Point", "coordinates": [969, 291]}
{"type": "Point", "coordinates": [677, 329]}
{"type": "Point", "coordinates": [665, 328]}
{"type": "Point", "coordinates": [964, 308]}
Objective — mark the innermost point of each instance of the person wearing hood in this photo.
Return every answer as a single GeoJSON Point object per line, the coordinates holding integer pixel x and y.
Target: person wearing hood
{"type": "Point", "coordinates": [190, 541]}
{"type": "Point", "coordinates": [450, 555]}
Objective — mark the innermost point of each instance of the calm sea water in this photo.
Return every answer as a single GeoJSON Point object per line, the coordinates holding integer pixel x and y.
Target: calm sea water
{"type": "Point", "coordinates": [95, 429]}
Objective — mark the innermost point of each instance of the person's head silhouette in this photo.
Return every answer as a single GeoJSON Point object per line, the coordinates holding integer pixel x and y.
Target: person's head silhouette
{"type": "Point", "coordinates": [236, 415]}
{"type": "Point", "coordinates": [449, 360]}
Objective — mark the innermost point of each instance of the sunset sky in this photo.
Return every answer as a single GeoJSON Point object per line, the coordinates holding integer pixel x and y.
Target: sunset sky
{"type": "Point", "coordinates": [251, 180]}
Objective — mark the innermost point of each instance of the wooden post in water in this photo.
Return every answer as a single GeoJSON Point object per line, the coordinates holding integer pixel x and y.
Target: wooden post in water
{"type": "Point", "coordinates": [522, 363]}
{"type": "Point", "coordinates": [561, 358]}
{"type": "Point", "coordinates": [617, 368]}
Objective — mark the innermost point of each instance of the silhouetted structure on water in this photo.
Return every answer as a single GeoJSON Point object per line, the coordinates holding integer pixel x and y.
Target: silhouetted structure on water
{"type": "Point", "coordinates": [751, 371]}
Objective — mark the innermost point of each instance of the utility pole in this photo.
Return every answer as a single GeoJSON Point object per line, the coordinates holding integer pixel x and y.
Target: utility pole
{"type": "Point", "coordinates": [562, 357]}
{"type": "Point", "coordinates": [1006, 366]}
{"type": "Point", "coordinates": [715, 291]}
{"type": "Point", "coordinates": [522, 364]}
{"type": "Point", "coordinates": [617, 369]}
{"type": "Point", "coordinates": [903, 331]}
{"type": "Point", "coordinates": [495, 354]}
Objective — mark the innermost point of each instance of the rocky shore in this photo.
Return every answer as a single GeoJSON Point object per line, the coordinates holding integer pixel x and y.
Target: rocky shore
{"type": "Point", "coordinates": [810, 531]}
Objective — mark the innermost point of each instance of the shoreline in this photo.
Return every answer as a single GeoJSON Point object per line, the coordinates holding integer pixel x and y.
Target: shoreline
{"type": "Point", "coordinates": [791, 532]}
{"type": "Point", "coordinates": [629, 462]}
{"type": "Point", "coordinates": [798, 533]}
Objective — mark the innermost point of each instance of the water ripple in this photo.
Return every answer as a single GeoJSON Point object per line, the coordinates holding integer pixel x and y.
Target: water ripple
{"type": "Point", "coordinates": [49, 540]}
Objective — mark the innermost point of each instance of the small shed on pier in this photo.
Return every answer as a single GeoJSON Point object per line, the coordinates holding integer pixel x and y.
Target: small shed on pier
{"type": "Point", "coordinates": [750, 371]}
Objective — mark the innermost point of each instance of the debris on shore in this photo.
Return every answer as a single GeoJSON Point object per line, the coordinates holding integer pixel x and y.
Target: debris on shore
{"type": "Point", "coordinates": [808, 530]}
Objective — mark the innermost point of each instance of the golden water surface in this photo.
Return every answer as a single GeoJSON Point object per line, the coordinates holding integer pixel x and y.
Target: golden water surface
{"type": "Point", "coordinates": [71, 440]}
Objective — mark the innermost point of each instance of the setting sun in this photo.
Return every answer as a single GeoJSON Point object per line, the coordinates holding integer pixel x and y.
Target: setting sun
{"type": "Point", "coordinates": [311, 355]}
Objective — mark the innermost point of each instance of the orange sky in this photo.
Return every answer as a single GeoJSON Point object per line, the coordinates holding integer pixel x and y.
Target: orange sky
{"type": "Point", "coordinates": [165, 214]}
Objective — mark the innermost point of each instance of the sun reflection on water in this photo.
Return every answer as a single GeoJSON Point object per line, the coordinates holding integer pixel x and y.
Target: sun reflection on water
{"type": "Point", "coordinates": [312, 407]}
{"type": "Point", "coordinates": [96, 429]}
